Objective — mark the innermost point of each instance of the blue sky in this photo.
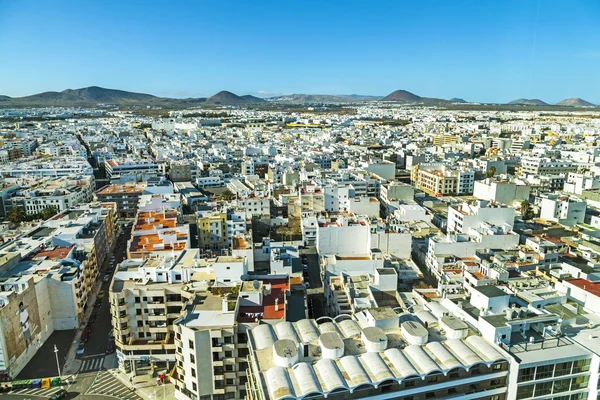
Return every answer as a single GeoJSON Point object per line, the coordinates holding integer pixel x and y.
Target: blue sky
{"type": "Point", "coordinates": [493, 51]}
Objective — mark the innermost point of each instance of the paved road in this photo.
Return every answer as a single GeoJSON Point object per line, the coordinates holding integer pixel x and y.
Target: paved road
{"type": "Point", "coordinates": [315, 298]}
{"type": "Point", "coordinates": [91, 361]}
{"type": "Point", "coordinates": [43, 364]}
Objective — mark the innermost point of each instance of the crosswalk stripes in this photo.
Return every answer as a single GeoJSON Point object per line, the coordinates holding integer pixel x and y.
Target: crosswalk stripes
{"type": "Point", "coordinates": [91, 364]}
{"type": "Point", "coordinates": [106, 384]}
{"type": "Point", "coordinates": [37, 392]}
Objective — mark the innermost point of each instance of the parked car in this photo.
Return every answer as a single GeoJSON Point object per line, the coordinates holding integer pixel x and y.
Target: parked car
{"type": "Point", "coordinates": [106, 278]}
{"type": "Point", "coordinates": [305, 267]}
{"type": "Point", "coordinates": [307, 283]}
{"type": "Point", "coordinates": [80, 349]}
{"type": "Point", "coordinates": [60, 394]}
{"type": "Point", "coordinates": [110, 347]}
{"type": "Point", "coordinates": [98, 303]}
{"type": "Point", "coordinates": [100, 295]}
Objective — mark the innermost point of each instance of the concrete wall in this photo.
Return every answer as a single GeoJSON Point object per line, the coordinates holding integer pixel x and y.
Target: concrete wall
{"type": "Point", "coordinates": [355, 239]}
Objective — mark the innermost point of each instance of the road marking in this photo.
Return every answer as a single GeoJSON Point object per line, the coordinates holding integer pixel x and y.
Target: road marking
{"type": "Point", "coordinates": [93, 355]}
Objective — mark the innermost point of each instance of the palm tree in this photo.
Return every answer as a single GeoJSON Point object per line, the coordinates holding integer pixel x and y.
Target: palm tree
{"type": "Point", "coordinates": [526, 210]}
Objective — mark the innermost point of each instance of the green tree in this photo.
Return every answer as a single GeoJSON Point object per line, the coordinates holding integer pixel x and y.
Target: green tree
{"type": "Point", "coordinates": [47, 213]}
{"type": "Point", "coordinates": [526, 210]}
{"type": "Point", "coordinates": [490, 172]}
{"type": "Point", "coordinates": [228, 195]}
{"type": "Point", "coordinates": [17, 214]}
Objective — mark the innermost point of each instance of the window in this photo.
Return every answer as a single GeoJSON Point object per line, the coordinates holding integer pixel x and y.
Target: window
{"type": "Point", "coordinates": [524, 392]}
{"type": "Point", "coordinates": [561, 385]}
{"type": "Point", "coordinates": [192, 358]}
{"type": "Point", "coordinates": [148, 334]}
{"type": "Point", "coordinates": [563, 368]}
{"type": "Point", "coordinates": [140, 324]}
{"type": "Point", "coordinates": [193, 373]}
{"type": "Point", "coordinates": [581, 366]}
{"type": "Point", "coordinates": [580, 382]}
{"type": "Point", "coordinates": [138, 312]}
{"type": "Point", "coordinates": [191, 344]}
{"type": "Point", "coordinates": [228, 354]}
{"type": "Point", "coordinates": [544, 372]}
{"type": "Point", "coordinates": [229, 382]}
{"type": "Point", "coordinates": [194, 387]}
{"type": "Point", "coordinates": [542, 389]}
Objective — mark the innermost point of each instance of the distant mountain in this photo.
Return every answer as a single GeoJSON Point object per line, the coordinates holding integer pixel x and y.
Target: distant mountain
{"type": "Point", "coordinates": [253, 99]}
{"type": "Point", "coordinates": [361, 97]}
{"type": "Point", "coordinates": [575, 102]}
{"type": "Point", "coordinates": [402, 95]}
{"type": "Point", "coordinates": [93, 95]}
{"type": "Point", "coordinates": [528, 102]}
{"type": "Point", "coordinates": [311, 99]}
{"type": "Point", "coordinates": [226, 98]}
{"type": "Point", "coordinates": [457, 100]}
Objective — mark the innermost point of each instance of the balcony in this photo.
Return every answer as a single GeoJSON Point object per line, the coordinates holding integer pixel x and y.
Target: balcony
{"type": "Point", "coordinates": [158, 329]}
{"type": "Point", "coordinates": [154, 306]}
{"type": "Point", "coordinates": [157, 317]}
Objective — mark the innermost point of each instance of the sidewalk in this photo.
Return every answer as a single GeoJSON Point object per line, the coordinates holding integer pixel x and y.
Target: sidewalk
{"type": "Point", "coordinates": [145, 385]}
{"type": "Point", "coordinates": [72, 364]}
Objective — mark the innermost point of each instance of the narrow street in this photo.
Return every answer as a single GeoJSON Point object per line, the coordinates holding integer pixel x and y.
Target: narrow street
{"type": "Point", "coordinates": [93, 359]}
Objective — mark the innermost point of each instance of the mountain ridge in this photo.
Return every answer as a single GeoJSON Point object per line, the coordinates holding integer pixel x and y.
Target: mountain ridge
{"type": "Point", "coordinates": [93, 95]}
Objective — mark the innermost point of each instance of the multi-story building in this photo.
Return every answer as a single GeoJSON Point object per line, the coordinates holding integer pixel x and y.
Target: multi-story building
{"type": "Point", "coordinates": [59, 193]}
{"type": "Point", "coordinates": [126, 196]}
{"type": "Point", "coordinates": [212, 230]}
{"type": "Point", "coordinates": [180, 171]}
{"type": "Point", "coordinates": [129, 167]}
{"type": "Point", "coordinates": [466, 217]}
{"type": "Point", "coordinates": [546, 166]}
{"type": "Point", "coordinates": [564, 209]}
{"type": "Point", "coordinates": [158, 232]}
{"type": "Point", "coordinates": [56, 166]}
{"type": "Point", "coordinates": [212, 335]}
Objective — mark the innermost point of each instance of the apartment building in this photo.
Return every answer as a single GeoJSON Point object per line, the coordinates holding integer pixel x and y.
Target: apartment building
{"type": "Point", "coordinates": [133, 167]}
{"type": "Point", "coordinates": [158, 232]}
{"type": "Point", "coordinates": [180, 171]}
{"type": "Point", "coordinates": [51, 270]}
{"type": "Point", "coordinates": [126, 197]}
{"type": "Point", "coordinates": [503, 192]}
{"type": "Point", "coordinates": [212, 230]}
{"type": "Point", "coordinates": [59, 193]}
{"type": "Point", "coordinates": [212, 335]}
{"type": "Point", "coordinates": [546, 166]}
{"type": "Point", "coordinates": [564, 209]}
{"type": "Point", "coordinates": [440, 140]}
{"type": "Point", "coordinates": [149, 295]}
{"type": "Point", "coordinates": [56, 166]}
{"type": "Point", "coordinates": [466, 217]}
{"type": "Point", "coordinates": [254, 207]}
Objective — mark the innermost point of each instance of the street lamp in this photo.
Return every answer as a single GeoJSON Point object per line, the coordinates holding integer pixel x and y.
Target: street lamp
{"type": "Point", "coordinates": [57, 363]}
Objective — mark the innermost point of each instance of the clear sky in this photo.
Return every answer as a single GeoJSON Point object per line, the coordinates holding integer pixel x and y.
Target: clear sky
{"type": "Point", "coordinates": [478, 50]}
